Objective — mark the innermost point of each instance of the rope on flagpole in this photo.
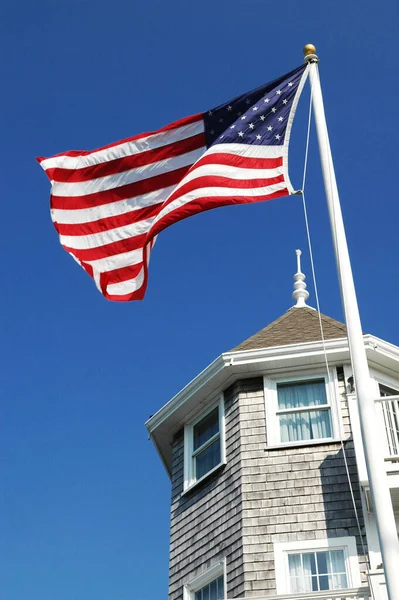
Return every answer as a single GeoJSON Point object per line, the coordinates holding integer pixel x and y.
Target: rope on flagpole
{"type": "Point", "coordinates": [336, 407]}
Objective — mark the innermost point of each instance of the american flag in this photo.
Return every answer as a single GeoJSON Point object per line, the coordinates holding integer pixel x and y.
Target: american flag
{"type": "Point", "coordinates": [109, 204]}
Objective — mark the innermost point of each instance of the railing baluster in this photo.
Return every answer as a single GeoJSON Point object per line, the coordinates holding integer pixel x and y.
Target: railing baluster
{"type": "Point", "coordinates": [391, 437]}
{"type": "Point", "coordinates": [395, 404]}
{"type": "Point", "coordinates": [384, 416]}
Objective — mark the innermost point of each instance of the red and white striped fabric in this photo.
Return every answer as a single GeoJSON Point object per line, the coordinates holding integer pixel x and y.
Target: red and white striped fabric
{"type": "Point", "coordinates": [109, 204]}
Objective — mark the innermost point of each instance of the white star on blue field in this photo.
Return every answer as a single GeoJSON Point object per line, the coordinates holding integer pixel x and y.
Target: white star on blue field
{"type": "Point", "coordinates": [259, 117]}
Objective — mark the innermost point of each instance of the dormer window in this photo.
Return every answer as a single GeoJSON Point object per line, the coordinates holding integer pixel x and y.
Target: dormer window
{"type": "Point", "coordinates": [298, 411]}
{"type": "Point", "coordinates": [204, 444]}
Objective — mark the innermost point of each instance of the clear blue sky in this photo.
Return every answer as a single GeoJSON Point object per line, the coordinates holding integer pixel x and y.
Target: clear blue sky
{"type": "Point", "coordinates": [84, 498]}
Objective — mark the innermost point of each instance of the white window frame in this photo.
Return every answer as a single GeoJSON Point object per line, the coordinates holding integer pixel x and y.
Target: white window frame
{"type": "Point", "coordinates": [283, 549]}
{"type": "Point", "coordinates": [204, 578]}
{"type": "Point", "coordinates": [189, 466]}
{"type": "Point", "coordinates": [272, 410]}
{"type": "Point", "coordinates": [383, 379]}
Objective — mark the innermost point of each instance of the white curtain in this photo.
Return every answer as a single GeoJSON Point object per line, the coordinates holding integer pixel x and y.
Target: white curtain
{"type": "Point", "coordinates": [336, 568]}
{"type": "Point", "coordinates": [306, 425]}
{"type": "Point", "coordinates": [301, 567]}
{"type": "Point", "coordinates": [312, 425]}
{"type": "Point", "coordinates": [299, 395]}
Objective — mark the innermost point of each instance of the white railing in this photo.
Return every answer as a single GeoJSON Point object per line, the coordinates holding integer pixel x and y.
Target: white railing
{"type": "Point", "coordinates": [389, 406]}
{"type": "Point", "coordinates": [352, 594]}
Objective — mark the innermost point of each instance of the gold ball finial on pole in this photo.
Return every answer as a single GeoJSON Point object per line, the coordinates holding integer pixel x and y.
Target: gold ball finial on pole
{"type": "Point", "coordinates": [310, 53]}
{"type": "Point", "coordinates": [309, 49]}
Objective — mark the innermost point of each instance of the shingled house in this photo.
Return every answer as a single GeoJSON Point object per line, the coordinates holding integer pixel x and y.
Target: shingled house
{"type": "Point", "coordinates": [270, 496]}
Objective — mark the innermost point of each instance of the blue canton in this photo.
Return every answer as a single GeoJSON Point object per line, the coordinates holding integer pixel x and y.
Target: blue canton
{"type": "Point", "coordinates": [259, 117]}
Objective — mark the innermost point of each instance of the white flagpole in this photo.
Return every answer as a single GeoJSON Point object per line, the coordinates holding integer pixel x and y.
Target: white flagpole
{"type": "Point", "coordinates": [381, 497]}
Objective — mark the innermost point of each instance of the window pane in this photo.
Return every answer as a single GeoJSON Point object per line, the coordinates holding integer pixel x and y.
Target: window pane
{"type": "Point", "coordinates": [308, 425]}
{"type": "Point", "coordinates": [322, 563]}
{"type": "Point", "coordinates": [387, 391]}
{"type": "Point", "coordinates": [307, 393]}
{"type": "Point", "coordinates": [207, 459]}
{"type": "Point", "coordinates": [309, 563]}
{"type": "Point", "coordinates": [300, 584]}
{"type": "Point", "coordinates": [338, 582]}
{"type": "Point", "coordinates": [336, 562]}
{"type": "Point", "coordinates": [213, 589]}
{"type": "Point", "coordinates": [206, 428]}
{"type": "Point", "coordinates": [323, 582]}
{"type": "Point", "coordinates": [315, 584]}
{"type": "Point", "coordinates": [294, 565]}
{"type": "Point", "coordinates": [220, 593]}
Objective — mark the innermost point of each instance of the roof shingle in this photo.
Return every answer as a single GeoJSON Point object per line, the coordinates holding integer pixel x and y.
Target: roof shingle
{"type": "Point", "coordinates": [296, 326]}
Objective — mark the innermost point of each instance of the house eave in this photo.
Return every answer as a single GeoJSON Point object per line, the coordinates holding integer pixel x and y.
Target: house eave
{"type": "Point", "coordinates": [233, 365]}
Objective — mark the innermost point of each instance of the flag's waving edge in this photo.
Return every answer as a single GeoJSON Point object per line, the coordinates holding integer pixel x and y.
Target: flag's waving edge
{"type": "Point", "coordinates": [109, 204]}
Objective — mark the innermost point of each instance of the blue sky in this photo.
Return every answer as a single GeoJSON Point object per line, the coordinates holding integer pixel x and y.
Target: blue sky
{"type": "Point", "coordinates": [84, 498]}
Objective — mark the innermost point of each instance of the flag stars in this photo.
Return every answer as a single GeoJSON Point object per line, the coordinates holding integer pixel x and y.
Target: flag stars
{"type": "Point", "coordinates": [278, 92]}
{"type": "Point", "coordinates": [255, 108]}
{"type": "Point", "coordinates": [274, 109]}
{"type": "Point", "coordinates": [277, 136]}
{"type": "Point", "coordinates": [269, 128]}
{"type": "Point", "coordinates": [290, 84]}
{"type": "Point", "coordinates": [258, 137]}
{"type": "Point", "coordinates": [251, 125]}
{"type": "Point", "coordinates": [248, 101]}
{"type": "Point", "coordinates": [280, 119]}
{"type": "Point", "coordinates": [262, 117]}
{"type": "Point", "coordinates": [267, 100]}
{"type": "Point", "coordinates": [221, 120]}
{"type": "Point", "coordinates": [210, 113]}
{"type": "Point", "coordinates": [229, 108]}
{"type": "Point", "coordinates": [243, 117]}
{"type": "Point", "coordinates": [285, 101]}
{"type": "Point", "coordinates": [232, 127]}
{"type": "Point", "coordinates": [241, 133]}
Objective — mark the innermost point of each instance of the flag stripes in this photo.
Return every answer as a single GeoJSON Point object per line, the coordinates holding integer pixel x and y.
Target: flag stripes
{"type": "Point", "coordinates": [108, 205]}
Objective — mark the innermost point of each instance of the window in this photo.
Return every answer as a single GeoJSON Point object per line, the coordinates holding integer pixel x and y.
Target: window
{"type": "Point", "coordinates": [297, 418]}
{"type": "Point", "coordinates": [204, 444]}
{"type": "Point", "coordinates": [298, 411]}
{"type": "Point", "coordinates": [212, 591]}
{"type": "Point", "coordinates": [209, 585]}
{"type": "Point", "coordinates": [316, 565]}
{"type": "Point", "coordinates": [316, 571]}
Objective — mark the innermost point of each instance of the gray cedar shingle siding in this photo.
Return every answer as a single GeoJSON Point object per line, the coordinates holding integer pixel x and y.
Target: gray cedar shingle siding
{"type": "Point", "coordinates": [206, 523]}
{"type": "Point", "coordinates": [261, 496]}
{"type": "Point", "coordinates": [290, 494]}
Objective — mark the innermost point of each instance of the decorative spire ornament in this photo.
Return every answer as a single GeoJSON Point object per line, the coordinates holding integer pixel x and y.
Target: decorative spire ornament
{"type": "Point", "coordinates": [300, 293]}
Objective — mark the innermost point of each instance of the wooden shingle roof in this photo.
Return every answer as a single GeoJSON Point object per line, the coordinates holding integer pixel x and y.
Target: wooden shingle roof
{"type": "Point", "coordinates": [296, 326]}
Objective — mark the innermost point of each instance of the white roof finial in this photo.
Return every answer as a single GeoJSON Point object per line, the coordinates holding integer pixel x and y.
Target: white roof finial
{"type": "Point", "coordinates": [300, 293]}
